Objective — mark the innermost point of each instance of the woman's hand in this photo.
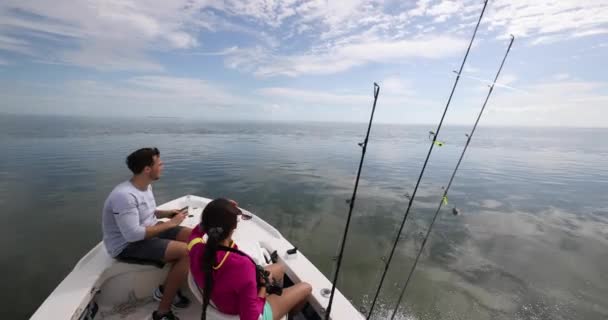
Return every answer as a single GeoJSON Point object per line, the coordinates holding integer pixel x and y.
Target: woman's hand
{"type": "Point", "coordinates": [234, 203]}
{"type": "Point", "coordinates": [262, 292]}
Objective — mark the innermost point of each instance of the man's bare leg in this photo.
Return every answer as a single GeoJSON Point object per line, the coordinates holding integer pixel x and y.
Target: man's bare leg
{"type": "Point", "coordinates": [177, 254]}
{"type": "Point", "coordinates": [183, 234]}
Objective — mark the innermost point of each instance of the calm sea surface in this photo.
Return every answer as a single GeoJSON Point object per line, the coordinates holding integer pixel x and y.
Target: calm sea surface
{"type": "Point", "coordinates": [531, 241]}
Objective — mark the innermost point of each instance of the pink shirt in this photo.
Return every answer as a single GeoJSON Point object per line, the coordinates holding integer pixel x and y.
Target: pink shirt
{"type": "Point", "coordinates": [235, 288]}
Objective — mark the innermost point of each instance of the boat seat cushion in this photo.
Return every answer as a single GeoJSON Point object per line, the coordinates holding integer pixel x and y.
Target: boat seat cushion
{"type": "Point", "coordinates": [154, 263]}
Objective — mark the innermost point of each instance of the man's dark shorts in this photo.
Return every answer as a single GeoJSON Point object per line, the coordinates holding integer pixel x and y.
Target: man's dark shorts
{"type": "Point", "coordinates": [149, 250]}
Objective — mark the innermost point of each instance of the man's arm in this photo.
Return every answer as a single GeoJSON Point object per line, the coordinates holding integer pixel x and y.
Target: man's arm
{"type": "Point", "coordinates": [169, 213]}
{"type": "Point", "coordinates": [128, 223]}
{"type": "Point", "coordinates": [127, 219]}
{"type": "Point", "coordinates": [163, 213]}
{"type": "Point", "coordinates": [155, 230]}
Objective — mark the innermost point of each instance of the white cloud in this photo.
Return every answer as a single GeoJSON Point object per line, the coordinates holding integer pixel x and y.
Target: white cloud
{"type": "Point", "coordinates": [314, 97]}
{"type": "Point", "coordinates": [159, 94]}
{"type": "Point", "coordinates": [561, 103]}
{"type": "Point", "coordinates": [590, 32]}
{"type": "Point", "coordinates": [181, 40]}
{"type": "Point", "coordinates": [14, 45]}
{"type": "Point", "coordinates": [247, 59]}
{"type": "Point", "coordinates": [271, 13]}
{"type": "Point", "coordinates": [547, 20]}
{"type": "Point", "coordinates": [183, 88]}
{"type": "Point", "coordinates": [507, 79]}
{"type": "Point", "coordinates": [120, 34]}
{"type": "Point", "coordinates": [96, 33]}
{"type": "Point", "coordinates": [395, 85]}
{"type": "Point", "coordinates": [272, 108]}
{"type": "Point", "coordinates": [420, 9]}
{"type": "Point", "coordinates": [107, 57]}
{"type": "Point", "coordinates": [346, 28]}
{"type": "Point", "coordinates": [178, 90]}
{"type": "Point", "coordinates": [394, 93]}
{"type": "Point", "coordinates": [222, 52]}
{"type": "Point", "coordinates": [306, 37]}
{"type": "Point", "coordinates": [343, 57]}
{"type": "Point", "coordinates": [561, 76]}
{"type": "Point", "coordinates": [209, 20]}
{"type": "Point", "coordinates": [445, 8]}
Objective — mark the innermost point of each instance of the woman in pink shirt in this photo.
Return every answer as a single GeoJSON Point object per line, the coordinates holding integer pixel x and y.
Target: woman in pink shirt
{"type": "Point", "coordinates": [228, 279]}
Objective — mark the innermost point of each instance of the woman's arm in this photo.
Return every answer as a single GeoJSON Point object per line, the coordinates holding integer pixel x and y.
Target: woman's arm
{"type": "Point", "coordinates": [262, 292]}
{"type": "Point", "coordinates": [251, 301]}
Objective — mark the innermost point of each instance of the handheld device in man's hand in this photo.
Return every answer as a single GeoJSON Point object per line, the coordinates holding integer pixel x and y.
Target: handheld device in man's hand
{"type": "Point", "coordinates": [182, 210]}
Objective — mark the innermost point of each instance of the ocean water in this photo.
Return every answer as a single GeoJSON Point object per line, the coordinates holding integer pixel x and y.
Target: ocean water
{"type": "Point", "coordinates": [531, 241]}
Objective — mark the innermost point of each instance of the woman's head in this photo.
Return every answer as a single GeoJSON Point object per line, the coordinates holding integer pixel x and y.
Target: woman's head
{"type": "Point", "coordinates": [219, 219]}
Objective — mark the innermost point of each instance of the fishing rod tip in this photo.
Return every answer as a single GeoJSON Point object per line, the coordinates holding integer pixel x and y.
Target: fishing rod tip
{"type": "Point", "coordinates": [376, 90]}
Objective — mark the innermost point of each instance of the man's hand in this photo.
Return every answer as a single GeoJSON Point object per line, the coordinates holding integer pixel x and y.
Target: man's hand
{"type": "Point", "coordinates": [174, 212]}
{"type": "Point", "coordinates": [155, 230]}
{"type": "Point", "coordinates": [178, 218]}
{"type": "Point", "coordinates": [168, 213]}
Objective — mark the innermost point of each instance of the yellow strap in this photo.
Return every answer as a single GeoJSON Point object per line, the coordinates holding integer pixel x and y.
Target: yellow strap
{"type": "Point", "coordinates": [224, 259]}
{"type": "Point", "coordinates": [195, 241]}
{"type": "Point", "coordinates": [198, 240]}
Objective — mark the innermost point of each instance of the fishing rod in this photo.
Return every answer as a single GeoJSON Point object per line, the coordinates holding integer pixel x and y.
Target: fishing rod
{"type": "Point", "coordinates": [444, 198]}
{"type": "Point", "coordinates": [433, 143]}
{"type": "Point", "coordinates": [351, 202]}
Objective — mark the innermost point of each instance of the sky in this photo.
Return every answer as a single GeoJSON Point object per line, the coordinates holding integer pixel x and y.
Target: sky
{"type": "Point", "coordinates": [306, 60]}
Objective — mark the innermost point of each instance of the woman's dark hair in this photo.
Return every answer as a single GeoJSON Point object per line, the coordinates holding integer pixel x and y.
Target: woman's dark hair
{"type": "Point", "coordinates": [141, 158]}
{"type": "Point", "coordinates": [218, 220]}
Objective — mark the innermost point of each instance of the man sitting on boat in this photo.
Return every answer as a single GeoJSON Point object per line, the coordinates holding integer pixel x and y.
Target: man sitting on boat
{"type": "Point", "coordinates": [132, 232]}
{"type": "Point", "coordinates": [228, 277]}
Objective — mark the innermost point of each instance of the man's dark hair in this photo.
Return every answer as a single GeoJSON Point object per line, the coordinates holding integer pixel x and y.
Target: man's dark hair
{"type": "Point", "coordinates": [141, 158]}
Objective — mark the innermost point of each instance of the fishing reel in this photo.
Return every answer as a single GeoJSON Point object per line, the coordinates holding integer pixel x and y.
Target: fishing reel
{"type": "Point", "coordinates": [263, 280]}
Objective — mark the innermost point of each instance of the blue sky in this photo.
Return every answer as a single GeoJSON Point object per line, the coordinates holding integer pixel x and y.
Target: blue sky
{"type": "Point", "coordinates": [305, 60]}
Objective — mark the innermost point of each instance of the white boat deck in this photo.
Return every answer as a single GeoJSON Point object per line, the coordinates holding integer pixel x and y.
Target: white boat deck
{"type": "Point", "coordinates": [143, 308]}
{"type": "Point", "coordinates": [123, 291]}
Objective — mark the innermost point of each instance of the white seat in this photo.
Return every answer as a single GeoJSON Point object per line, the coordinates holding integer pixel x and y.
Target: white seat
{"type": "Point", "coordinates": [198, 294]}
{"type": "Point", "coordinates": [212, 312]}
